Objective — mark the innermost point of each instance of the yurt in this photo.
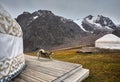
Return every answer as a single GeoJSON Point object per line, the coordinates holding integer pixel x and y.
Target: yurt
{"type": "Point", "coordinates": [11, 47]}
{"type": "Point", "coordinates": [108, 41]}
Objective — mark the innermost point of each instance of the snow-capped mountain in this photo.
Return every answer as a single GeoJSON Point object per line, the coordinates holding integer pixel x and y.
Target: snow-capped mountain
{"type": "Point", "coordinates": [98, 24]}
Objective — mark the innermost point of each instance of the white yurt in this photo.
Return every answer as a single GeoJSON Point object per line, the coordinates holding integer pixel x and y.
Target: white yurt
{"type": "Point", "coordinates": [108, 41]}
{"type": "Point", "coordinates": [11, 47]}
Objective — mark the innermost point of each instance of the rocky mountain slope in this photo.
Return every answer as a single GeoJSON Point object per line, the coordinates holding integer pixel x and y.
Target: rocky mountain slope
{"type": "Point", "coordinates": [43, 29]}
{"type": "Point", "coordinates": [100, 24]}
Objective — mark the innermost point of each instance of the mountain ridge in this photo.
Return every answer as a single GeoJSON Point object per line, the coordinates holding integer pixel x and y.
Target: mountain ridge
{"type": "Point", "coordinates": [44, 29]}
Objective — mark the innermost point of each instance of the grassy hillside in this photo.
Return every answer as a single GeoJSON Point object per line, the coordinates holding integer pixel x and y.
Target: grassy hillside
{"type": "Point", "coordinates": [103, 67]}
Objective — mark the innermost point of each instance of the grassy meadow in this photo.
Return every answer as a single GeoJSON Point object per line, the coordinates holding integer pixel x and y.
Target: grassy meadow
{"type": "Point", "coordinates": [104, 67]}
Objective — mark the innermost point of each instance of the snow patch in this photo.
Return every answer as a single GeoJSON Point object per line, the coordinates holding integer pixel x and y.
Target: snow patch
{"type": "Point", "coordinates": [108, 28]}
{"type": "Point", "coordinates": [63, 20]}
{"type": "Point", "coordinates": [80, 24]}
{"type": "Point", "coordinates": [98, 25]}
{"type": "Point", "coordinates": [35, 17]}
{"type": "Point", "coordinates": [98, 18]}
{"type": "Point", "coordinates": [105, 22]}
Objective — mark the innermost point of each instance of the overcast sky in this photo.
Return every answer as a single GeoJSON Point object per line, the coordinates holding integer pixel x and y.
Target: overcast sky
{"type": "Point", "coordinates": [71, 9]}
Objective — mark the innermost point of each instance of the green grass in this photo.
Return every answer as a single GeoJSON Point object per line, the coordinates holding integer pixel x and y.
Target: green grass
{"type": "Point", "coordinates": [103, 67]}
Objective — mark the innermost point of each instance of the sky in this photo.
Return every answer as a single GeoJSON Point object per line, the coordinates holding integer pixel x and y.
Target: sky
{"type": "Point", "coordinates": [71, 9]}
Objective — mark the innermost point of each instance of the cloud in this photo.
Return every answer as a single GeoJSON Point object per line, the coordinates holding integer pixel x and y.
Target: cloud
{"type": "Point", "coordinates": [68, 8]}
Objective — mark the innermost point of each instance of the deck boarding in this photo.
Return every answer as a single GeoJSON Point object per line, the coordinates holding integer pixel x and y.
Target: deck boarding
{"type": "Point", "coordinates": [46, 70]}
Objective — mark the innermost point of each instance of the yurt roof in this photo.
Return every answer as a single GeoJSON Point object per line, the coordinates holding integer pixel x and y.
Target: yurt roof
{"type": "Point", "coordinates": [109, 38]}
{"type": "Point", "coordinates": [8, 25]}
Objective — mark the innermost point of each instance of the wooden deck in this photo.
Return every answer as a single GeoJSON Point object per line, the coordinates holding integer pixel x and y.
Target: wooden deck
{"type": "Point", "coordinates": [46, 70]}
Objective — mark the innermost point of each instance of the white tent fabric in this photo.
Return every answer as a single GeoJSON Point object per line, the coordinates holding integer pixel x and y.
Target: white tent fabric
{"type": "Point", "coordinates": [11, 47]}
{"type": "Point", "coordinates": [108, 41]}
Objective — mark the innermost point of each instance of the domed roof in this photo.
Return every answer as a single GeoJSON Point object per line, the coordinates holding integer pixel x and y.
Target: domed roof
{"type": "Point", "coordinates": [9, 25]}
{"type": "Point", "coordinates": [109, 38]}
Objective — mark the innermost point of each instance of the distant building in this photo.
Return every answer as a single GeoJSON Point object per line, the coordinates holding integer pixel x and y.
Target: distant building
{"type": "Point", "coordinates": [108, 41]}
{"type": "Point", "coordinates": [11, 47]}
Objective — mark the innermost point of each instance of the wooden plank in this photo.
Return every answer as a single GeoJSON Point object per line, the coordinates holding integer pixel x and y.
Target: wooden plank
{"type": "Point", "coordinates": [51, 62]}
{"type": "Point", "coordinates": [17, 79]}
{"type": "Point", "coordinates": [61, 78]}
{"type": "Point", "coordinates": [57, 64]}
{"type": "Point", "coordinates": [38, 75]}
{"type": "Point", "coordinates": [78, 76]}
{"type": "Point", "coordinates": [73, 64]}
{"type": "Point", "coordinates": [29, 78]}
{"type": "Point", "coordinates": [45, 60]}
{"type": "Point", "coordinates": [83, 77]}
{"type": "Point", "coordinates": [49, 71]}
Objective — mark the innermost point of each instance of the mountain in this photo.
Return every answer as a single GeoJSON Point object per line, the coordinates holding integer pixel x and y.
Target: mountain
{"type": "Point", "coordinates": [100, 25]}
{"type": "Point", "coordinates": [43, 29]}
{"type": "Point", "coordinates": [117, 31]}
{"type": "Point", "coordinates": [97, 26]}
